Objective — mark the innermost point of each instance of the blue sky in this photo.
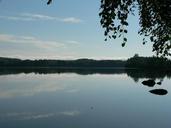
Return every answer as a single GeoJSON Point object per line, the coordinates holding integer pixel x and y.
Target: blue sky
{"type": "Point", "coordinates": [29, 29]}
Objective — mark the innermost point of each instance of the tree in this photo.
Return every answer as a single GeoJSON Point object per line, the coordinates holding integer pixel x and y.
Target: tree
{"type": "Point", "coordinates": [155, 21]}
{"type": "Point", "coordinates": [136, 55]}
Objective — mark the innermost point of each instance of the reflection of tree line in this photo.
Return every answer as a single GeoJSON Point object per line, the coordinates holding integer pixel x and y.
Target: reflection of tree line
{"type": "Point", "coordinates": [135, 67]}
{"type": "Point", "coordinates": [137, 74]}
{"type": "Point", "coordinates": [151, 68]}
{"type": "Point", "coordinates": [81, 71]}
{"type": "Point", "coordinates": [151, 76]}
{"type": "Point", "coordinates": [151, 83]}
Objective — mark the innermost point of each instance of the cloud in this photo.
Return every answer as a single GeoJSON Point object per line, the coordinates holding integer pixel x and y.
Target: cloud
{"type": "Point", "coordinates": [71, 20]}
{"type": "Point", "coordinates": [72, 42]}
{"type": "Point", "coordinates": [46, 44]}
{"type": "Point", "coordinates": [38, 17]}
{"type": "Point", "coordinates": [32, 47]}
{"type": "Point", "coordinates": [14, 18]}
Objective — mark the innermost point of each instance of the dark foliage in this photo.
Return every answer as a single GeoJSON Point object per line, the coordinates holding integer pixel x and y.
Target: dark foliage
{"type": "Point", "coordinates": [49, 2]}
{"type": "Point", "coordinates": [88, 66]}
{"type": "Point", "coordinates": [155, 21]}
{"type": "Point", "coordinates": [134, 62]}
{"type": "Point", "coordinates": [7, 62]}
{"type": "Point", "coordinates": [156, 63]}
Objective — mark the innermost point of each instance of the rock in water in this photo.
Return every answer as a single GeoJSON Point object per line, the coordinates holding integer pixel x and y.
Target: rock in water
{"type": "Point", "coordinates": [149, 83]}
{"type": "Point", "coordinates": [159, 91]}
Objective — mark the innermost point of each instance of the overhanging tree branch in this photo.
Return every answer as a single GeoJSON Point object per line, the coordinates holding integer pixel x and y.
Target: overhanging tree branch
{"type": "Point", "coordinates": [155, 21]}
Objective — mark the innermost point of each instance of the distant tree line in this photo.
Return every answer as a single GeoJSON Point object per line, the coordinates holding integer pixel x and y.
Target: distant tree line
{"type": "Point", "coordinates": [148, 62]}
{"type": "Point", "coordinates": [136, 62]}
{"type": "Point", "coordinates": [79, 63]}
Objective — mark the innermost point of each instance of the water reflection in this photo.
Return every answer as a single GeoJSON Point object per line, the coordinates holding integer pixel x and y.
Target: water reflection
{"type": "Point", "coordinates": [150, 77]}
{"type": "Point", "coordinates": [108, 98]}
{"type": "Point", "coordinates": [135, 74]}
{"type": "Point", "coordinates": [80, 71]}
{"type": "Point", "coordinates": [37, 116]}
{"type": "Point", "coordinates": [151, 83]}
{"type": "Point", "coordinates": [18, 87]}
{"type": "Point", "coordinates": [148, 74]}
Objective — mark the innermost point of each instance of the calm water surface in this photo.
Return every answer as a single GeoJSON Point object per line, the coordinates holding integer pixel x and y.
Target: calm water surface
{"type": "Point", "coordinates": [70, 100]}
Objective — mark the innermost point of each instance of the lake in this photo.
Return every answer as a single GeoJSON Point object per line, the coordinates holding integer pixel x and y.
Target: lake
{"type": "Point", "coordinates": [84, 99]}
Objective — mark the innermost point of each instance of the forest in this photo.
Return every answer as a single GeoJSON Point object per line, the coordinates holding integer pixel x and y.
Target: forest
{"type": "Point", "coordinates": [135, 62]}
{"type": "Point", "coordinates": [79, 63]}
{"type": "Point", "coordinates": [157, 63]}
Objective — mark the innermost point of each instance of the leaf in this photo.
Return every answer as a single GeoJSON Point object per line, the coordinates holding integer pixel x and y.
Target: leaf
{"type": "Point", "coordinates": [151, 38]}
{"type": "Point", "coordinates": [125, 39]}
{"type": "Point", "coordinates": [125, 31]}
{"type": "Point", "coordinates": [114, 37]}
{"type": "Point", "coordinates": [154, 21]}
{"type": "Point", "coordinates": [123, 44]}
{"type": "Point", "coordinates": [49, 2]}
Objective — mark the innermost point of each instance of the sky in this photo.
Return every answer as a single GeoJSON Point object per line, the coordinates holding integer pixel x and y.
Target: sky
{"type": "Point", "coordinates": [29, 29]}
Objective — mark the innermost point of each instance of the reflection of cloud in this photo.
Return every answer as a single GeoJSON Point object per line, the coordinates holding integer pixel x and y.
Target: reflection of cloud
{"type": "Point", "coordinates": [31, 84]}
{"type": "Point", "coordinates": [72, 90]}
{"type": "Point", "coordinates": [35, 17]}
{"type": "Point", "coordinates": [70, 113]}
{"type": "Point", "coordinates": [35, 116]}
{"type": "Point", "coordinates": [29, 90]}
{"type": "Point", "coordinates": [46, 44]}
